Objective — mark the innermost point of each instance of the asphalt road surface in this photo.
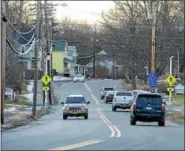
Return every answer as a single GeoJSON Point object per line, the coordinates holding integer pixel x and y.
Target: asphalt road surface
{"type": "Point", "coordinates": [104, 130]}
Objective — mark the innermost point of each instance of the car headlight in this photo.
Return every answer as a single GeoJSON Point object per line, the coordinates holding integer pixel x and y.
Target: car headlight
{"type": "Point", "coordinates": [66, 108]}
{"type": "Point", "coordinates": [131, 101]}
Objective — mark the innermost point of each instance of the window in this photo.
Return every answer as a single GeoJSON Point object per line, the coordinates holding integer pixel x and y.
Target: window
{"type": "Point", "coordinates": [149, 99]}
{"type": "Point", "coordinates": [108, 89]}
{"type": "Point", "coordinates": [71, 100]}
{"type": "Point", "coordinates": [124, 94]}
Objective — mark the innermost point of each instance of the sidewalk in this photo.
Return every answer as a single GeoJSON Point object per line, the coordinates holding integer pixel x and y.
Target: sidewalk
{"type": "Point", "coordinates": [18, 114]}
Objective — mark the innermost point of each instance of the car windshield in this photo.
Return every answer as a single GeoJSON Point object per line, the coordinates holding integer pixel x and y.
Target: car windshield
{"type": "Point", "coordinates": [149, 99]}
{"type": "Point", "coordinates": [108, 89]}
{"type": "Point", "coordinates": [72, 100]}
{"type": "Point", "coordinates": [78, 75]}
{"type": "Point", "coordinates": [110, 92]}
{"type": "Point", "coordinates": [124, 94]}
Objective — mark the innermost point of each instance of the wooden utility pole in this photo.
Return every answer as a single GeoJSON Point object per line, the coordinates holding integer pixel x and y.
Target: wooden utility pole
{"type": "Point", "coordinates": [36, 59]}
{"type": "Point", "coordinates": [2, 55]}
{"type": "Point", "coordinates": [48, 47]}
{"type": "Point", "coordinates": [94, 54]}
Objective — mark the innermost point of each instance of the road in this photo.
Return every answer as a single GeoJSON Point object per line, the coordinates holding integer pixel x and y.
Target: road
{"type": "Point", "coordinates": [104, 130]}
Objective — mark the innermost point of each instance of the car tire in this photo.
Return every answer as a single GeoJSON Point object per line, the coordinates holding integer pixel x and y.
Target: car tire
{"type": "Point", "coordinates": [161, 123]}
{"type": "Point", "coordinates": [86, 117]}
{"type": "Point", "coordinates": [65, 117]}
{"type": "Point", "coordinates": [114, 109]}
{"type": "Point", "coordinates": [132, 121]}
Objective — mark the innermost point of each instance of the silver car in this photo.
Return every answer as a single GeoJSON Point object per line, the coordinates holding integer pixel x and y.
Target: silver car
{"type": "Point", "coordinates": [75, 105]}
{"type": "Point", "coordinates": [122, 99]}
{"type": "Point", "coordinates": [79, 77]}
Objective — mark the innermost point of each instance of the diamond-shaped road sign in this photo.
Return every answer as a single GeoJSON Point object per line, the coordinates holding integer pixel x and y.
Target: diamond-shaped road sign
{"type": "Point", "coordinates": [170, 89]}
{"type": "Point", "coordinates": [171, 80]}
{"type": "Point", "coordinates": [46, 79]}
{"type": "Point", "coordinates": [152, 79]}
{"type": "Point", "coordinates": [45, 88]}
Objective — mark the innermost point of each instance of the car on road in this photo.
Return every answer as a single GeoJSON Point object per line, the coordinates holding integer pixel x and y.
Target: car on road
{"type": "Point", "coordinates": [79, 77]}
{"type": "Point", "coordinates": [122, 99]}
{"type": "Point", "coordinates": [148, 108]}
{"type": "Point", "coordinates": [109, 96]}
{"type": "Point", "coordinates": [105, 90]}
{"type": "Point", "coordinates": [75, 106]}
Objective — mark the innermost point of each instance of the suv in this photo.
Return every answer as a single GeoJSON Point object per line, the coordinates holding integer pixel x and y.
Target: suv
{"type": "Point", "coordinates": [122, 99]}
{"type": "Point", "coordinates": [148, 108]}
{"type": "Point", "coordinates": [109, 96]}
{"type": "Point", "coordinates": [75, 105]}
{"type": "Point", "coordinates": [104, 91]}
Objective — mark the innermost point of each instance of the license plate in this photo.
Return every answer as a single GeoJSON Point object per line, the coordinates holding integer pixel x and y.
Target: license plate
{"type": "Point", "coordinates": [75, 113]}
{"type": "Point", "coordinates": [148, 108]}
{"type": "Point", "coordinates": [123, 105]}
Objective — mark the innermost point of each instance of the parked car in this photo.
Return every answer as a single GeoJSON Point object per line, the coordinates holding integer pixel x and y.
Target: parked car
{"type": "Point", "coordinates": [122, 99]}
{"type": "Point", "coordinates": [78, 77]}
{"type": "Point", "coordinates": [148, 108]}
{"type": "Point", "coordinates": [75, 105]}
{"type": "Point", "coordinates": [104, 91]}
{"type": "Point", "coordinates": [109, 96]}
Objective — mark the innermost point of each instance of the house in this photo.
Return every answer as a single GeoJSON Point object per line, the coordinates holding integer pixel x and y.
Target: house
{"type": "Point", "coordinates": [63, 58]}
{"type": "Point", "coordinates": [27, 59]}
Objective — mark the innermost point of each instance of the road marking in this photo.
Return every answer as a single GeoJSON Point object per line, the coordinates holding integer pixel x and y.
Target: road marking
{"type": "Point", "coordinates": [77, 145]}
{"type": "Point", "coordinates": [113, 128]}
{"type": "Point", "coordinates": [113, 132]}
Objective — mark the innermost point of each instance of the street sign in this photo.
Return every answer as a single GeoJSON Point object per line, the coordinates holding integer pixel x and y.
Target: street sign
{"type": "Point", "coordinates": [45, 88]}
{"type": "Point", "coordinates": [170, 80]}
{"type": "Point", "coordinates": [170, 89]}
{"type": "Point", "coordinates": [152, 79]}
{"type": "Point", "coordinates": [46, 79]}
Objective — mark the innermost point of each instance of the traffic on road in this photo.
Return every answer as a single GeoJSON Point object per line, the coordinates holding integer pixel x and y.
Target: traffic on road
{"type": "Point", "coordinates": [68, 128]}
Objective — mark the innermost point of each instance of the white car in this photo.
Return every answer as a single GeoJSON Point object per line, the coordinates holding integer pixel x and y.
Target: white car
{"type": "Point", "coordinates": [123, 100]}
{"type": "Point", "coordinates": [78, 77]}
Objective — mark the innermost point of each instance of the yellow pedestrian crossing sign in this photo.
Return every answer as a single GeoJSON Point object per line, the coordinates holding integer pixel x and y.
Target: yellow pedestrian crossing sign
{"type": "Point", "coordinates": [45, 88]}
{"type": "Point", "coordinates": [170, 80]}
{"type": "Point", "coordinates": [46, 79]}
{"type": "Point", "coordinates": [170, 89]}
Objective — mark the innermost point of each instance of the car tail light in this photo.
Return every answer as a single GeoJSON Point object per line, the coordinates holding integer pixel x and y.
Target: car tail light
{"type": "Point", "coordinates": [114, 99]}
{"type": "Point", "coordinates": [134, 106]}
{"type": "Point", "coordinates": [163, 107]}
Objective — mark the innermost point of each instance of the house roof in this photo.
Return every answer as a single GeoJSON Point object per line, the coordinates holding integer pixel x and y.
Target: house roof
{"type": "Point", "coordinates": [24, 38]}
{"type": "Point", "coordinates": [59, 45]}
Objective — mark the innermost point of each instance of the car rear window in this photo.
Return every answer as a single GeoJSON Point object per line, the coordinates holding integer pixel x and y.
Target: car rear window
{"type": "Point", "coordinates": [71, 100]}
{"type": "Point", "coordinates": [151, 99]}
{"type": "Point", "coordinates": [108, 89]}
{"type": "Point", "coordinates": [123, 94]}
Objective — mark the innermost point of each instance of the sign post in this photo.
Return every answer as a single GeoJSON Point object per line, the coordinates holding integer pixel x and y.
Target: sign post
{"type": "Point", "coordinates": [171, 80]}
{"type": "Point", "coordinates": [152, 81]}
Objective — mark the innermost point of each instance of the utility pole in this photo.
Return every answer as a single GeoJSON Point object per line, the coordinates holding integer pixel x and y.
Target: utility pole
{"type": "Point", "coordinates": [153, 53]}
{"type": "Point", "coordinates": [178, 66]}
{"type": "Point", "coordinates": [48, 47]}
{"type": "Point", "coordinates": [94, 53]}
{"type": "Point", "coordinates": [2, 55]}
{"type": "Point", "coordinates": [36, 59]}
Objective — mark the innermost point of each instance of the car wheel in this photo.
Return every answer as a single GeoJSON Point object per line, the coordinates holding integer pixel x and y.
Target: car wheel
{"type": "Point", "coordinates": [114, 109]}
{"type": "Point", "coordinates": [65, 117]}
{"type": "Point", "coordinates": [132, 121]}
{"type": "Point", "coordinates": [86, 116]}
{"type": "Point", "coordinates": [161, 123]}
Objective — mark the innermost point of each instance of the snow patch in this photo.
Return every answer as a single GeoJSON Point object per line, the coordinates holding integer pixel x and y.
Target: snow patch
{"type": "Point", "coordinates": [60, 78]}
{"type": "Point", "coordinates": [11, 109]}
{"type": "Point", "coordinates": [29, 96]}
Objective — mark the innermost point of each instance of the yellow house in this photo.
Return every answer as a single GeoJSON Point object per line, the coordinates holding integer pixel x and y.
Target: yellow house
{"type": "Point", "coordinates": [60, 51]}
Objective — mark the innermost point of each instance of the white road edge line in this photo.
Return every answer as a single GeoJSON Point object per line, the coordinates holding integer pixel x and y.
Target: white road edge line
{"type": "Point", "coordinates": [77, 145]}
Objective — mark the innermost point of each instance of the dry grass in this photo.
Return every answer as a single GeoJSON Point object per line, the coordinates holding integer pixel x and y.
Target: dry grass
{"type": "Point", "coordinates": [178, 100]}
{"type": "Point", "coordinates": [176, 117]}
{"type": "Point", "coordinates": [20, 100]}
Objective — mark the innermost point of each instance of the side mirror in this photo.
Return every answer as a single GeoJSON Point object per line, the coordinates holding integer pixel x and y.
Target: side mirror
{"type": "Point", "coordinates": [88, 102]}
{"type": "Point", "coordinates": [62, 103]}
